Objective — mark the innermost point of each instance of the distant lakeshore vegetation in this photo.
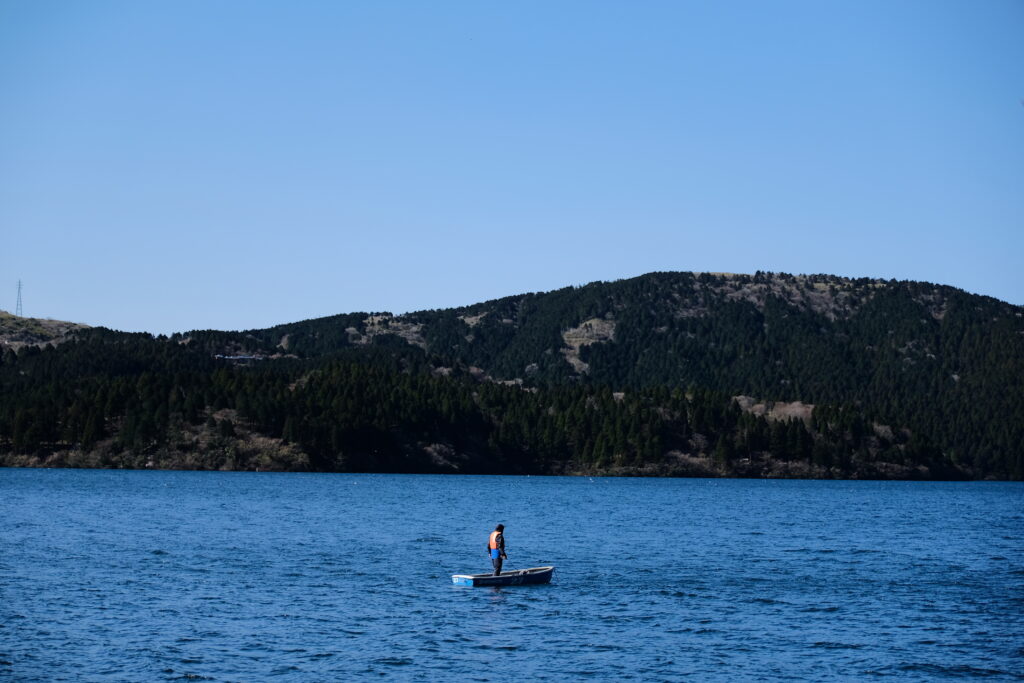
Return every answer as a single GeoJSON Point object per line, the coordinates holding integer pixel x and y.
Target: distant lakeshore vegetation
{"type": "Point", "coordinates": [666, 374]}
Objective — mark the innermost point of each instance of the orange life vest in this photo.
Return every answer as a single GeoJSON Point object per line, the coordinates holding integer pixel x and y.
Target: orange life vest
{"type": "Point", "coordinates": [492, 543]}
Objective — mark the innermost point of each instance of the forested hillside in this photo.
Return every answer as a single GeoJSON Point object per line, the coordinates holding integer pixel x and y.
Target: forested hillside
{"type": "Point", "coordinates": [664, 374]}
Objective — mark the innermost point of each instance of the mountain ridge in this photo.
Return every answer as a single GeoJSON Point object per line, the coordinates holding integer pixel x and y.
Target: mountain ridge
{"type": "Point", "coordinates": [924, 369]}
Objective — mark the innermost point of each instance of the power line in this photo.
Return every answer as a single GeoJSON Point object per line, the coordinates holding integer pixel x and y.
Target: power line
{"type": "Point", "coordinates": [18, 311]}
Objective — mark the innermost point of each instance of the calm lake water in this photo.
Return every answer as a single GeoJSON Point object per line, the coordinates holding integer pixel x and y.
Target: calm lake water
{"type": "Point", "coordinates": [113, 575]}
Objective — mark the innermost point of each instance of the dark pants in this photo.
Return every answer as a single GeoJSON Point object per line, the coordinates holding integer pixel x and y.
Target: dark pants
{"type": "Point", "coordinates": [496, 561]}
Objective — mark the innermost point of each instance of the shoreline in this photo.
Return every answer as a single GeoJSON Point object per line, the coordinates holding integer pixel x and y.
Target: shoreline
{"type": "Point", "coordinates": [796, 473]}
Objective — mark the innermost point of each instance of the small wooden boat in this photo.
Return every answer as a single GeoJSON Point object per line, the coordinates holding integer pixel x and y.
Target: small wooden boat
{"type": "Point", "coordinates": [513, 578]}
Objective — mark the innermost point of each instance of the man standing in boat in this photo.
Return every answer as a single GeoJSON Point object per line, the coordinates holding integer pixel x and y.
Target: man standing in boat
{"type": "Point", "coordinates": [496, 548]}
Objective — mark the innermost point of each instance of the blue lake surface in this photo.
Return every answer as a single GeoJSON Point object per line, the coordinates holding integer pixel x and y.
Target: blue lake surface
{"type": "Point", "coordinates": [119, 575]}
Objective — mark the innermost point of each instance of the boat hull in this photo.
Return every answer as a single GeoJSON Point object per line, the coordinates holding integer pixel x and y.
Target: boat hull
{"type": "Point", "coordinates": [519, 577]}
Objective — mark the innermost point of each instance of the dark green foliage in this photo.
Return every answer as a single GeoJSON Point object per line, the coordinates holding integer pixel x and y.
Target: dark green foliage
{"type": "Point", "coordinates": [909, 379]}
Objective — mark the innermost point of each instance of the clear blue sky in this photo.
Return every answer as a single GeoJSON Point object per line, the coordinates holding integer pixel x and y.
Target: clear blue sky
{"type": "Point", "coordinates": [167, 166]}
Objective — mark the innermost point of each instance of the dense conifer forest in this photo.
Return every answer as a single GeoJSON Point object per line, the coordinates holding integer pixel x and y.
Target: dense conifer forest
{"type": "Point", "coordinates": [675, 374]}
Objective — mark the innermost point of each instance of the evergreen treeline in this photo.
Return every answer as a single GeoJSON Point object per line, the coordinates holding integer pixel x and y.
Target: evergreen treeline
{"type": "Point", "coordinates": [909, 379]}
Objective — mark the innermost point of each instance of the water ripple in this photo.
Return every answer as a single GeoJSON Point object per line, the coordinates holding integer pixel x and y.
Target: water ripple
{"type": "Point", "coordinates": [226, 576]}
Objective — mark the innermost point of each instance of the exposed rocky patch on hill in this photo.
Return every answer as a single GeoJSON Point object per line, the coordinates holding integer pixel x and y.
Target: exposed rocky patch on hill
{"type": "Point", "coordinates": [221, 443]}
{"type": "Point", "coordinates": [386, 324]}
{"type": "Point", "coordinates": [797, 410]}
{"type": "Point", "coordinates": [16, 332]}
{"type": "Point", "coordinates": [593, 331]}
